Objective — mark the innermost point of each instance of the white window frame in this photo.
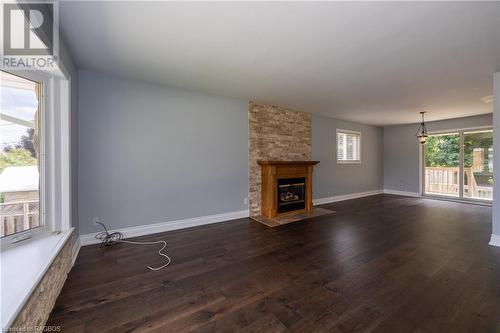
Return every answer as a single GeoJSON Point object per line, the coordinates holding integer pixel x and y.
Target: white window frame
{"type": "Point", "coordinates": [358, 161]}
{"type": "Point", "coordinates": [55, 156]}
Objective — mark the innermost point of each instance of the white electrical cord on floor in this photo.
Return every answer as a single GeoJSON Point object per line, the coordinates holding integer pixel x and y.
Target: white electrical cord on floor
{"type": "Point", "coordinates": [159, 252]}
{"type": "Point", "coordinates": [108, 239]}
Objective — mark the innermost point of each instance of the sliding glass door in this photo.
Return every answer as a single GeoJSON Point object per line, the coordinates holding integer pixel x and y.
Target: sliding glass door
{"type": "Point", "coordinates": [478, 165]}
{"type": "Point", "coordinates": [442, 165]}
{"type": "Point", "coordinates": [459, 165]}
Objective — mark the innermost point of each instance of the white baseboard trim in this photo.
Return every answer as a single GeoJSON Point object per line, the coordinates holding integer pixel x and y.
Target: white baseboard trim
{"type": "Point", "coordinates": [403, 193]}
{"type": "Point", "coordinates": [343, 197]}
{"type": "Point", "coordinates": [89, 239]}
{"type": "Point", "coordinates": [149, 229]}
{"type": "Point", "coordinates": [495, 240]}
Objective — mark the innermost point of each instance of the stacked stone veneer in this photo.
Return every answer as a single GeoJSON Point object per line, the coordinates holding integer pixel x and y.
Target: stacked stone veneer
{"type": "Point", "coordinates": [36, 311]}
{"type": "Point", "coordinates": [274, 133]}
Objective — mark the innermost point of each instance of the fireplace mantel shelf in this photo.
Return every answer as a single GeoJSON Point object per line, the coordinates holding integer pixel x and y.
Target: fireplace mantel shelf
{"type": "Point", "coordinates": [261, 162]}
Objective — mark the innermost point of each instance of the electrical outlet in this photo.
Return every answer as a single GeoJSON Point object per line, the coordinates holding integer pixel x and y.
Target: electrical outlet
{"type": "Point", "coordinates": [95, 220]}
{"type": "Point", "coordinates": [245, 201]}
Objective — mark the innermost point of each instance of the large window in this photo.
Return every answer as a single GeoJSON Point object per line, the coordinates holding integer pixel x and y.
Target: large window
{"type": "Point", "coordinates": [348, 146]}
{"type": "Point", "coordinates": [20, 151]}
{"type": "Point", "coordinates": [459, 164]}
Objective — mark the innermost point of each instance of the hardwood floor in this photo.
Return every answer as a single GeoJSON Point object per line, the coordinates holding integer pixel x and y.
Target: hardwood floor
{"type": "Point", "coordinates": [380, 264]}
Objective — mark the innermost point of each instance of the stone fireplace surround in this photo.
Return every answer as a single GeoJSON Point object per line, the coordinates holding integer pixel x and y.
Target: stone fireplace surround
{"type": "Point", "coordinates": [274, 133]}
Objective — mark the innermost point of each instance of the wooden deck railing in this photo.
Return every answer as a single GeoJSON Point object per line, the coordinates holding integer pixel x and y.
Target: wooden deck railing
{"type": "Point", "coordinates": [442, 180]}
{"type": "Point", "coordinates": [19, 216]}
{"type": "Point", "coordinates": [446, 180]}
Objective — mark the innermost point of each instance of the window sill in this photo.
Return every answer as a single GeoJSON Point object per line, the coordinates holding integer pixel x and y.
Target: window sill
{"type": "Point", "coordinates": [348, 162]}
{"type": "Point", "coordinates": [23, 267]}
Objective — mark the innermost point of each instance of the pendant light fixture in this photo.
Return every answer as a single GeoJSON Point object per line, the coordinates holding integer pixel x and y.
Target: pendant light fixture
{"type": "Point", "coordinates": [422, 130]}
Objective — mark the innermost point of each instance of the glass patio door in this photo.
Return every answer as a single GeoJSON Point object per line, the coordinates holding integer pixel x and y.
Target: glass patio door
{"type": "Point", "coordinates": [442, 165]}
{"type": "Point", "coordinates": [459, 164]}
{"type": "Point", "coordinates": [478, 165]}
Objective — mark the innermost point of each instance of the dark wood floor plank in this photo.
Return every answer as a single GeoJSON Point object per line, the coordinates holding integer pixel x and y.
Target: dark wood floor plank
{"type": "Point", "coordinates": [380, 264]}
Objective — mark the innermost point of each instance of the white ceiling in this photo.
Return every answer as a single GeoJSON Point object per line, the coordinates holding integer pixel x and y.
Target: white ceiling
{"type": "Point", "coordinates": [376, 63]}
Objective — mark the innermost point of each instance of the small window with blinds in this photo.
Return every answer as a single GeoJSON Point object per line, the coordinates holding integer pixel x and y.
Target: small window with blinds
{"type": "Point", "coordinates": [348, 146]}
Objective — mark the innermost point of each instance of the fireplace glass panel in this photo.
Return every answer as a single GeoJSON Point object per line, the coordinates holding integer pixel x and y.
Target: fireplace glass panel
{"type": "Point", "coordinates": [291, 194]}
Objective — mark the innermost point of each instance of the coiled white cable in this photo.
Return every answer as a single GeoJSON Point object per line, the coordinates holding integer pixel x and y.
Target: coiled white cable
{"type": "Point", "coordinates": [108, 239]}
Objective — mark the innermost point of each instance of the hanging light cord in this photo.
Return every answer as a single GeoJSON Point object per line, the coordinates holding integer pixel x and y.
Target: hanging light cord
{"type": "Point", "coordinates": [108, 239]}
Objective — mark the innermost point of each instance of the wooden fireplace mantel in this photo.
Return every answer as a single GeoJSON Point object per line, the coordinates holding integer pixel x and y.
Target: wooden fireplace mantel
{"type": "Point", "coordinates": [272, 171]}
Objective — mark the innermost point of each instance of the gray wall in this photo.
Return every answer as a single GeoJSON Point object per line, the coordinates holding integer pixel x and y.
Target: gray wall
{"type": "Point", "coordinates": [401, 150]}
{"type": "Point", "coordinates": [332, 179]}
{"type": "Point", "coordinates": [151, 153]}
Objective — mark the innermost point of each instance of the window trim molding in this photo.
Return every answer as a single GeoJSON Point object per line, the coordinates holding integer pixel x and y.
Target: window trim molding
{"type": "Point", "coordinates": [337, 131]}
